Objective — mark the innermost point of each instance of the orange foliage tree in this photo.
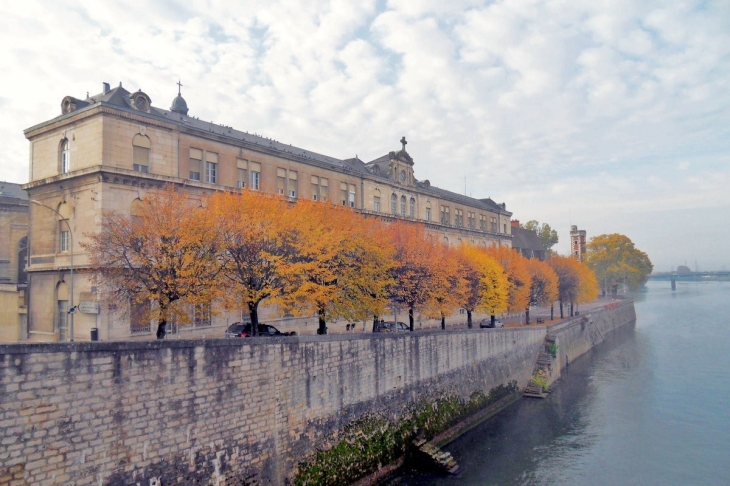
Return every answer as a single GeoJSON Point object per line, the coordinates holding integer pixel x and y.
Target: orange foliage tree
{"type": "Point", "coordinates": [543, 287]}
{"type": "Point", "coordinates": [166, 253]}
{"type": "Point", "coordinates": [518, 276]}
{"type": "Point", "coordinates": [486, 282]}
{"type": "Point", "coordinates": [253, 227]}
{"type": "Point", "coordinates": [448, 285]}
{"type": "Point", "coordinates": [339, 265]}
{"type": "Point", "coordinates": [414, 269]}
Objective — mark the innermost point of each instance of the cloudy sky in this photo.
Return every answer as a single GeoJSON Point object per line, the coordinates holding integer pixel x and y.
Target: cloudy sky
{"type": "Point", "coordinates": [613, 115]}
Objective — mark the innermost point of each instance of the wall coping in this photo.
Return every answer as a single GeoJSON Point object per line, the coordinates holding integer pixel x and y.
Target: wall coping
{"type": "Point", "coordinates": [576, 320]}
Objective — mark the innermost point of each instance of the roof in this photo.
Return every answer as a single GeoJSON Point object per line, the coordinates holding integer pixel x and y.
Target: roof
{"type": "Point", "coordinates": [120, 98]}
{"type": "Point", "coordinates": [10, 189]}
{"type": "Point", "coordinates": [525, 239]}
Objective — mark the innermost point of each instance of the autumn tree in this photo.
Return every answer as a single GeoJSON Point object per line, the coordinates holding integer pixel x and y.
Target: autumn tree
{"type": "Point", "coordinates": [543, 285]}
{"type": "Point", "coordinates": [486, 282]}
{"type": "Point", "coordinates": [515, 269]}
{"type": "Point", "coordinates": [340, 263]}
{"type": "Point", "coordinates": [547, 235]}
{"type": "Point", "coordinates": [166, 253]}
{"type": "Point", "coordinates": [253, 228]}
{"type": "Point", "coordinates": [448, 285]}
{"type": "Point", "coordinates": [615, 259]}
{"type": "Point", "coordinates": [414, 268]}
{"type": "Point", "coordinates": [576, 281]}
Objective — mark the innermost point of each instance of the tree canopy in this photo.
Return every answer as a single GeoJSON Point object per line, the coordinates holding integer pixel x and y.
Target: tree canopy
{"type": "Point", "coordinates": [547, 235]}
{"type": "Point", "coordinates": [615, 260]}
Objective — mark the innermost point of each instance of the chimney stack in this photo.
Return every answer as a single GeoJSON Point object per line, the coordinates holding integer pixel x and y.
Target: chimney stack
{"type": "Point", "coordinates": [105, 88]}
{"type": "Point", "coordinates": [515, 223]}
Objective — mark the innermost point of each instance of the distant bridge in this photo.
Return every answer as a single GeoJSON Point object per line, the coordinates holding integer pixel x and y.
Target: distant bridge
{"type": "Point", "coordinates": [690, 276]}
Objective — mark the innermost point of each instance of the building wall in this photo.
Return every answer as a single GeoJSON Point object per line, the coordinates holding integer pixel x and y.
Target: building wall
{"type": "Point", "coordinates": [13, 235]}
{"type": "Point", "coordinates": [120, 413]}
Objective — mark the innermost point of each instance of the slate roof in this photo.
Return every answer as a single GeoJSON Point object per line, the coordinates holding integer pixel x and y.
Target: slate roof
{"type": "Point", "coordinates": [10, 189]}
{"type": "Point", "coordinates": [120, 98]}
{"type": "Point", "coordinates": [525, 239]}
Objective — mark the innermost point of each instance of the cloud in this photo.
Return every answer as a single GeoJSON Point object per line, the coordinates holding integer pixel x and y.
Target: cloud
{"type": "Point", "coordinates": [595, 108]}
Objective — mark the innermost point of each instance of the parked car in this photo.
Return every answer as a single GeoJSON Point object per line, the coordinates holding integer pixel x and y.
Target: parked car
{"type": "Point", "coordinates": [243, 329]}
{"type": "Point", "coordinates": [484, 323]}
{"type": "Point", "coordinates": [391, 326]}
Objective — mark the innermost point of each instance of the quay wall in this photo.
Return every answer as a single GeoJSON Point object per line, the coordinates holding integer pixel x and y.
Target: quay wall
{"type": "Point", "coordinates": [253, 411]}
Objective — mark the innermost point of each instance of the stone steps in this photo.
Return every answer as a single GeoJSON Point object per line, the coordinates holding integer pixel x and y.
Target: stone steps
{"type": "Point", "coordinates": [432, 457]}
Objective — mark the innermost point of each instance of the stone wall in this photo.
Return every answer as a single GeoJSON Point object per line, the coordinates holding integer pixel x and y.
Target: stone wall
{"type": "Point", "coordinates": [207, 411]}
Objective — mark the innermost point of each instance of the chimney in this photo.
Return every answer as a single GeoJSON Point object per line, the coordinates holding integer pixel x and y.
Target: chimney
{"type": "Point", "coordinates": [105, 88]}
{"type": "Point", "coordinates": [515, 223]}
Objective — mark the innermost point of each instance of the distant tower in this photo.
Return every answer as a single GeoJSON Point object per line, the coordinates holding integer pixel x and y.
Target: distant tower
{"type": "Point", "coordinates": [577, 243]}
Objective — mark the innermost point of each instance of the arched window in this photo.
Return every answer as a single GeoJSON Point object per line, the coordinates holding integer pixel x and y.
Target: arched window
{"type": "Point", "coordinates": [62, 310]}
{"type": "Point", "coordinates": [141, 153]}
{"type": "Point", "coordinates": [135, 209]}
{"type": "Point", "coordinates": [65, 160]}
{"type": "Point", "coordinates": [413, 208]}
{"type": "Point", "coordinates": [394, 203]}
{"type": "Point", "coordinates": [64, 234]}
{"type": "Point", "coordinates": [402, 205]}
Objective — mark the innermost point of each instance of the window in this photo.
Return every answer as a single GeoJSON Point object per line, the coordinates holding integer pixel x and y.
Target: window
{"type": "Point", "coordinates": [403, 206]}
{"type": "Point", "coordinates": [280, 181]}
{"type": "Point", "coordinates": [242, 166]}
{"type": "Point", "coordinates": [413, 208]}
{"type": "Point", "coordinates": [63, 319]}
{"type": "Point", "coordinates": [315, 188]}
{"type": "Point", "coordinates": [255, 169]}
{"type": "Point", "coordinates": [141, 153]}
{"type": "Point", "coordinates": [493, 224]}
{"type": "Point", "coordinates": [445, 216]}
{"type": "Point", "coordinates": [394, 204]}
{"type": "Point", "coordinates": [428, 212]}
{"type": "Point", "coordinates": [65, 157]}
{"type": "Point", "coordinates": [201, 315]}
{"type": "Point", "coordinates": [211, 167]}
{"type": "Point", "coordinates": [324, 190]}
{"type": "Point", "coordinates": [458, 217]}
{"type": "Point", "coordinates": [505, 228]}
{"type": "Point", "coordinates": [63, 238]}
{"type": "Point", "coordinates": [351, 195]}
{"type": "Point", "coordinates": [343, 193]}
{"type": "Point", "coordinates": [472, 220]}
{"type": "Point", "coordinates": [293, 187]}
{"type": "Point", "coordinates": [196, 161]}
{"type": "Point", "coordinates": [376, 203]}
{"type": "Point", "coordinates": [446, 240]}
{"type": "Point", "coordinates": [482, 222]}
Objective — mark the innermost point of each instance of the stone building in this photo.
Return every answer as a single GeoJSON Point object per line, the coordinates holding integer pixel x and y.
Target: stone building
{"type": "Point", "coordinates": [13, 253]}
{"type": "Point", "coordinates": [107, 151]}
{"type": "Point", "coordinates": [526, 242]}
{"type": "Point", "coordinates": [577, 243]}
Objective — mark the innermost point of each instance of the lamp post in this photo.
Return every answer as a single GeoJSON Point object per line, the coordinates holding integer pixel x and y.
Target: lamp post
{"type": "Point", "coordinates": [71, 309]}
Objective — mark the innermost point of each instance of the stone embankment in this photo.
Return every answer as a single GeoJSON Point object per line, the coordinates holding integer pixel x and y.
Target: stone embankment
{"type": "Point", "coordinates": [292, 410]}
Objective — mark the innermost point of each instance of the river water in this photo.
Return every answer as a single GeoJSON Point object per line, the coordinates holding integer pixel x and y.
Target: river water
{"type": "Point", "coordinates": [651, 405]}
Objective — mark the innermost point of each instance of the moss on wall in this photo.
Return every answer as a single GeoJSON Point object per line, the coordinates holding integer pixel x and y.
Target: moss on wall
{"type": "Point", "coordinates": [374, 441]}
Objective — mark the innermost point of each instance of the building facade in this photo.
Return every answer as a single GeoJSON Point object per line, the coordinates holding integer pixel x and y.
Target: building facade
{"type": "Point", "coordinates": [107, 151]}
{"type": "Point", "coordinates": [13, 254]}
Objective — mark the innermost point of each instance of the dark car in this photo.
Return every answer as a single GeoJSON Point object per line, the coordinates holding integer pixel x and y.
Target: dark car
{"type": "Point", "coordinates": [243, 329]}
{"type": "Point", "coordinates": [390, 326]}
{"type": "Point", "coordinates": [488, 323]}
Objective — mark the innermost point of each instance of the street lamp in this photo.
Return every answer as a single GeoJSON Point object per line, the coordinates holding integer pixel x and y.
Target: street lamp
{"type": "Point", "coordinates": [71, 309]}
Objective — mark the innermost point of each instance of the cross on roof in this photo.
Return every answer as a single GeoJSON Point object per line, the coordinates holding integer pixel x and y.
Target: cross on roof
{"type": "Point", "coordinates": [403, 141]}
{"type": "Point", "coordinates": [179, 85]}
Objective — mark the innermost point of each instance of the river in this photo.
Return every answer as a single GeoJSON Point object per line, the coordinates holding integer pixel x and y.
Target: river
{"type": "Point", "coordinates": [651, 405]}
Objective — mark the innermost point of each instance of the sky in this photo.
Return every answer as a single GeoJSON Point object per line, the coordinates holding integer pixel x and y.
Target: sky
{"type": "Point", "coordinates": [612, 115]}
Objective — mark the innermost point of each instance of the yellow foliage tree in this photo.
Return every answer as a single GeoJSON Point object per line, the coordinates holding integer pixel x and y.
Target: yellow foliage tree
{"type": "Point", "coordinates": [515, 269]}
{"type": "Point", "coordinates": [544, 285]}
{"type": "Point", "coordinates": [165, 254]}
{"type": "Point", "coordinates": [486, 282]}
{"type": "Point", "coordinates": [615, 259]}
{"type": "Point", "coordinates": [576, 282]}
{"type": "Point", "coordinates": [448, 285]}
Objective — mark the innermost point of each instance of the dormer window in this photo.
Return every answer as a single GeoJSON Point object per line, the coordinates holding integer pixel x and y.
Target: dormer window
{"type": "Point", "coordinates": [402, 176]}
{"type": "Point", "coordinates": [65, 157]}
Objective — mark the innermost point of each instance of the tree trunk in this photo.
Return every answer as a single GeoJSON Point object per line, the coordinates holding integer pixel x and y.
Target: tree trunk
{"type": "Point", "coordinates": [468, 319]}
{"type": "Point", "coordinates": [410, 316]}
{"type": "Point", "coordinates": [253, 313]}
{"type": "Point", "coordinates": [552, 311]}
{"type": "Point", "coordinates": [527, 316]}
{"type": "Point", "coordinates": [162, 324]}
{"type": "Point", "coordinates": [375, 323]}
{"type": "Point", "coordinates": [322, 322]}
{"type": "Point", "coordinates": [494, 320]}
{"type": "Point", "coordinates": [561, 309]}
{"type": "Point", "coordinates": [572, 313]}
{"type": "Point", "coordinates": [443, 321]}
